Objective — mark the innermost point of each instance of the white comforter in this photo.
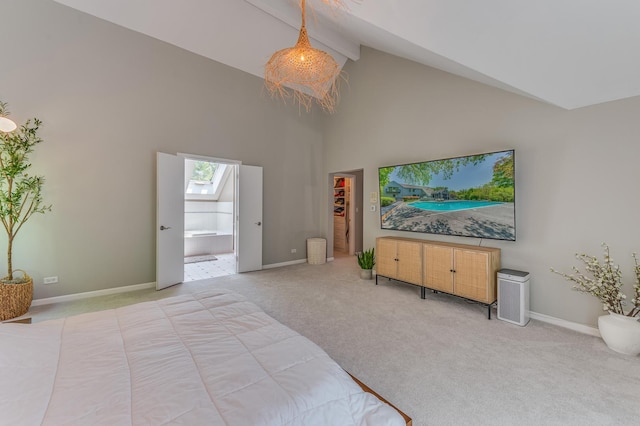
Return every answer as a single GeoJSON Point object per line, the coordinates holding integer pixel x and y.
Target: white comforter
{"type": "Point", "coordinates": [210, 358]}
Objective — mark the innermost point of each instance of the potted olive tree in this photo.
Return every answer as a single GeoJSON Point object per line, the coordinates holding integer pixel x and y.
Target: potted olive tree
{"type": "Point", "coordinates": [366, 260]}
{"type": "Point", "coordinates": [20, 198]}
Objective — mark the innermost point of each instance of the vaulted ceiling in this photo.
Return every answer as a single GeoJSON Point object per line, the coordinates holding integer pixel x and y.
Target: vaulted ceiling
{"type": "Point", "coordinates": [569, 53]}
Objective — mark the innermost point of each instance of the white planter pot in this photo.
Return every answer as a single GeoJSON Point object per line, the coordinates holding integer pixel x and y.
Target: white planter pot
{"type": "Point", "coordinates": [366, 274]}
{"type": "Point", "coordinates": [620, 333]}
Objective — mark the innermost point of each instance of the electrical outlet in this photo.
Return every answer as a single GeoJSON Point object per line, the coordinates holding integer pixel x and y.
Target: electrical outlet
{"type": "Point", "coordinates": [50, 280]}
{"type": "Point", "coordinates": [293, 250]}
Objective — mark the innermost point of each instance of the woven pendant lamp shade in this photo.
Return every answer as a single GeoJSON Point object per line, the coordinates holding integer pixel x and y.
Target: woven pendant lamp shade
{"type": "Point", "coordinates": [304, 74]}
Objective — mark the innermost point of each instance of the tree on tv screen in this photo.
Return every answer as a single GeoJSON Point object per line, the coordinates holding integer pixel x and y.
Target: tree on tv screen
{"type": "Point", "coordinates": [421, 173]}
{"type": "Point", "coordinates": [501, 187]}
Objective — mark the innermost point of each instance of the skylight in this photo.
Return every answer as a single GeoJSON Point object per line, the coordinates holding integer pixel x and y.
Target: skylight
{"type": "Point", "coordinates": [206, 179]}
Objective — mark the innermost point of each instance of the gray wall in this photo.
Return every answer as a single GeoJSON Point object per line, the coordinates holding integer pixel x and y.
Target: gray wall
{"type": "Point", "coordinates": [109, 99]}
{"type": "Point", "coordinates": [576, 171]}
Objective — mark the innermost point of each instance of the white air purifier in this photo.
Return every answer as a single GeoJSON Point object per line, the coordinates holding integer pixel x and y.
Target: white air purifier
{"type": "Point", "coordinates": [513, 296]}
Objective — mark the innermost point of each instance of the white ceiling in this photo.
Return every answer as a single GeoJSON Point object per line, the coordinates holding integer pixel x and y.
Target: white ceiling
{"type": "Point", "coordinates": [570, 53]}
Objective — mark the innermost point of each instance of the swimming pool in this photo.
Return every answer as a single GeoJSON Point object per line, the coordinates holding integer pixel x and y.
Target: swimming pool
{"type": "Point", "coordinates": [451, 206]}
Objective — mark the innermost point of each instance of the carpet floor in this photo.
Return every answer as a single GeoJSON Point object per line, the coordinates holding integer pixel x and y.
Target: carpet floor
{"type": "Point", "coordinates": [439, 360]}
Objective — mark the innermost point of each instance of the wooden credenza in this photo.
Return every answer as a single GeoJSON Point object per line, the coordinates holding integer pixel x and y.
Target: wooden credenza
{"type": "Point", "coordinates": [458, 269]}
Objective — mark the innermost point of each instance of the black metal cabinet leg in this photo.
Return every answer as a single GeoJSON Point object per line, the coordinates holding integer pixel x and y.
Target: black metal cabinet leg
{"type": "Point", "coordinates": [488, 312]}
{"type": "Point", "coordinates": [423, 293]}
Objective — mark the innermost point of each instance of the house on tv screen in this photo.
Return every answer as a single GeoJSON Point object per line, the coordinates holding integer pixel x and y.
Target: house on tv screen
{"type": "Point", "coordinates": [400, 191]}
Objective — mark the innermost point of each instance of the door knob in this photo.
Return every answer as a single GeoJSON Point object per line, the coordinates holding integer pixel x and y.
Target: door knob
{"type": "Point", "coordinates": [258, 223]}
{"type": "Point", "coordinates": [162, 227]}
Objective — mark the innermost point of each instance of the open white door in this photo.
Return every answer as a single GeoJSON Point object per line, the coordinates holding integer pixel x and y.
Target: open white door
{"type": "Point", "coordinates": [249, 221]}
{"type": "Point", "coordinates": [169, 221]}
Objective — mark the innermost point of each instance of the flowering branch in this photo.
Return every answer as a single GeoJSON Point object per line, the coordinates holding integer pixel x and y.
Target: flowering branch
{"type": "Point", "coordinates": [636, 288]}
{"type": "Point", "coordinates": [605, 282]}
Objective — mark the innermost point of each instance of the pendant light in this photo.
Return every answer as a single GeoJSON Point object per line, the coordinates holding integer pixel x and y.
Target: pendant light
{"type": "Point", "coordinates": [303, 73]}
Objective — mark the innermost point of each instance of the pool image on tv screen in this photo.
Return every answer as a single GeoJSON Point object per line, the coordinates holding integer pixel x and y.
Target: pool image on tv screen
{"type": "Point", "coordinates": [470, 196]}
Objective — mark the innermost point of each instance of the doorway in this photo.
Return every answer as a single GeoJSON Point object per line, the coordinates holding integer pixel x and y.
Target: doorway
{"type": "Point", "coordinates": [345, 222]}
{"type": "Point", "coordinates": [209, 225]}
{"type": "Point", "coordinates": [171, 186]}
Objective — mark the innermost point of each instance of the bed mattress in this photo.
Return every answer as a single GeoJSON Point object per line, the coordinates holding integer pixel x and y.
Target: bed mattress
{"type": "Point", "coordinates": [209, 358]}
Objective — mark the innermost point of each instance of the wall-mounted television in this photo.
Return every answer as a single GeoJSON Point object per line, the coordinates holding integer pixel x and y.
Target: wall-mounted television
{"type": "Point", "coordinates": [470, 196]}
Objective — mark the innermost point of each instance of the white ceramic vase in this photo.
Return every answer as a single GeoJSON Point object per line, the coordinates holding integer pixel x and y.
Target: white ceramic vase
{"type": "Point", "coordinates": [620, 333]}
{"type": "Point", "coordinates": [366, 274]}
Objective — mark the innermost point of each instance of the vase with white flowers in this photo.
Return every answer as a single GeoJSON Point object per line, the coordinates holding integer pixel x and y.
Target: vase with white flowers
{"type": "Point", "coordinates": [619, 329]}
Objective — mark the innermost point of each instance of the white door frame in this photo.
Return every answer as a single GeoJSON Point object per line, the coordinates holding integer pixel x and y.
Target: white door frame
{"type": "Point", "coordinates": [208, 159]}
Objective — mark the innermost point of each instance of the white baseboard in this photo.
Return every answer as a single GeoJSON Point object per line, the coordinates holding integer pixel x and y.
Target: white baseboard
{"type": "Point", "coordinates": [88, 294]}
{"type": "Point", "coordinates": [278, 265]}
{"type": "Point", "coordinates": [135, 287]}
{"type": "Point", "coordinates": [564, 323]}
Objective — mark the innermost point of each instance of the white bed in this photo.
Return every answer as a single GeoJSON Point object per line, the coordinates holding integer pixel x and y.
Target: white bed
{"type": "Point", "coordinates": [210, 358]}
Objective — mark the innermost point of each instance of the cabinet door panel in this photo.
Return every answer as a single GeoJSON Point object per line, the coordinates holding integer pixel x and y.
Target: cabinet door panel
{"type": "Point", "coordinates": [386, 255]}
{"type": "Point", "coordinates": [409, 262]}
{"type": "Point", "coordinates": [471, 276]}
{"type": "Point", "coordinates": [438, 263]}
